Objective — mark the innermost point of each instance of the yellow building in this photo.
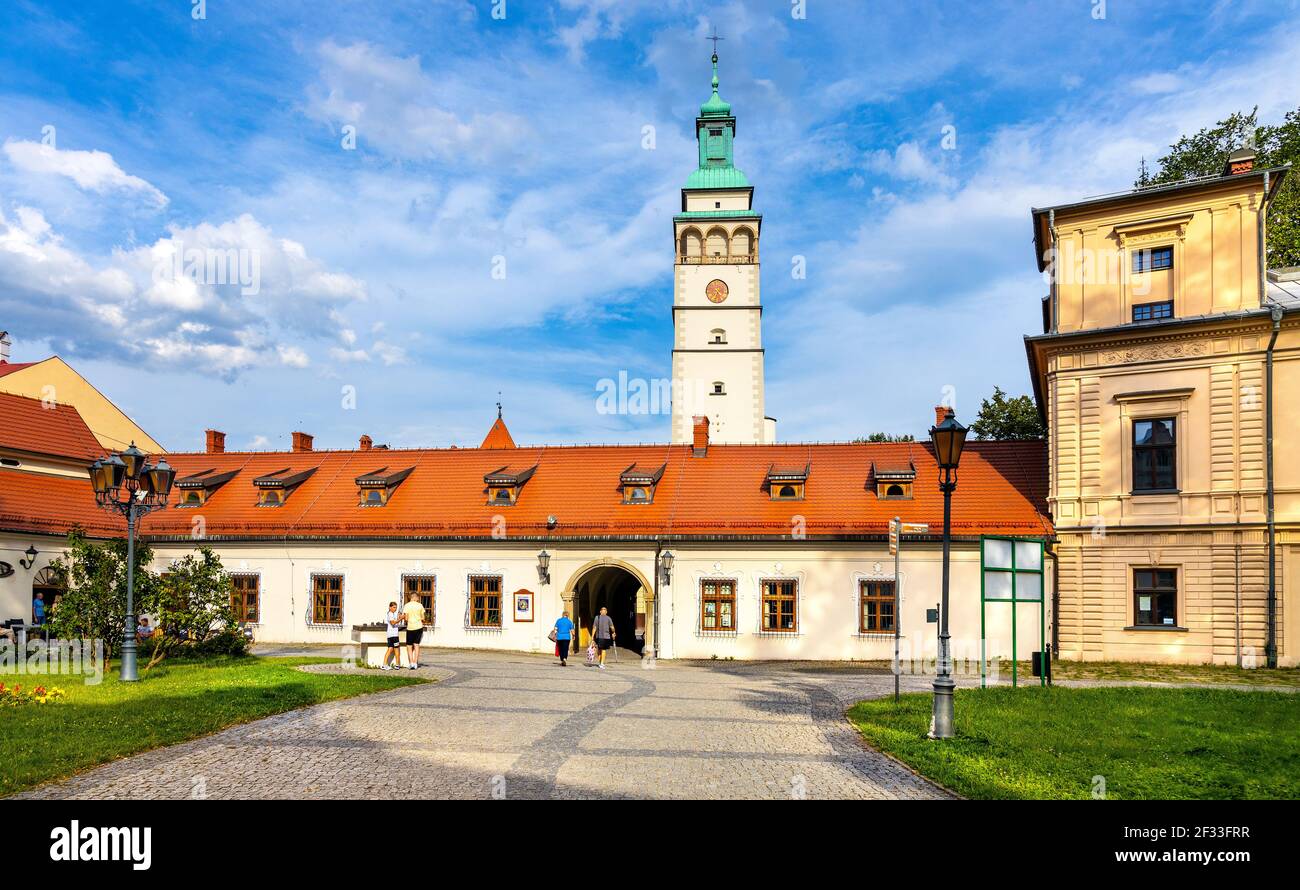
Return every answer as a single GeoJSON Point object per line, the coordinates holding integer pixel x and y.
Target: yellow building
{"type": "Point", "coordinates": [1169, 377]}
{"type": "Point", "coordinates": [53, 380]}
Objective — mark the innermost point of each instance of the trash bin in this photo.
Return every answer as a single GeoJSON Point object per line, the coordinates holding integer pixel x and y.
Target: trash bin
{"type": "Point", "coordinates": [1041, 663]}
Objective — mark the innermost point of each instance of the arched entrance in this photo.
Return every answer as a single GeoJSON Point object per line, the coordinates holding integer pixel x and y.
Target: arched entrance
{"type": "Point", "coordinates": [623, 591]}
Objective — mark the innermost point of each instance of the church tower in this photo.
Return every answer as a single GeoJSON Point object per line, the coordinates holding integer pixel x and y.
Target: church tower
{"type": "Point", "coordinates": [717, 315]}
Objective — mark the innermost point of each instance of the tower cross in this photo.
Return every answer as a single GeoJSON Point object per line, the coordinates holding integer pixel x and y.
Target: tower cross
{"type": "Point", "coordinates": [715, 38]}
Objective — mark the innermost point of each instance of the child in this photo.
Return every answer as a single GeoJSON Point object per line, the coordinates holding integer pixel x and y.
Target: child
{"type": "Point", "coordinates": [394, 648]}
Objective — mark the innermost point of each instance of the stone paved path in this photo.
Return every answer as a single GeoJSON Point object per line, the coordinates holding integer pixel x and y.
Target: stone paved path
{"type": "Point", "coordinates": [518, 726]}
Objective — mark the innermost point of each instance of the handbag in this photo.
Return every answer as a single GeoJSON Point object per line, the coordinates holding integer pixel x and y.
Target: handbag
{"type": "Point", "coordinates": [553, 636]}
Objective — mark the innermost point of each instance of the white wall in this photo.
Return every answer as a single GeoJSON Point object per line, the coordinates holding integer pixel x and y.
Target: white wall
{"type": "Point", "coordinates": [828, 582]}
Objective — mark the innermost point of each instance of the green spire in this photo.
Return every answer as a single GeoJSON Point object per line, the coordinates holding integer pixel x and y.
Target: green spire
{"type": "Point", "coordinates": [715, 107]}
{"type": "Point", "coordinates": [715, 129]}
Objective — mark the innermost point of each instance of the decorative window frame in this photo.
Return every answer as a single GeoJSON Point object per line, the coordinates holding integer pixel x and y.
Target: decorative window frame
{"type": "Point", "coordinates": [1154, 405]}
{"type": "Point", "coordinates": [1168, 231]}
{"type": "Point", "coordinates": [700, 578]}
{"type": "Point", "coordinates": [798, 579]}
{"type": "Point", "coordinates": [255, 573]}
{"type": "Point", "coordinates": [309, 613]}
{"type": "Point", "coordinates": [470, 627]}
{"type": "Point", "coordinates": [878, 574]}
{"type": "Point", "coordinates": [402, 574]}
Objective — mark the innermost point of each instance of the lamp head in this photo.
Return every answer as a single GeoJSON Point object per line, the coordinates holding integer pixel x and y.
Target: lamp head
{"type": "Point", "coordinates": [949, 438]}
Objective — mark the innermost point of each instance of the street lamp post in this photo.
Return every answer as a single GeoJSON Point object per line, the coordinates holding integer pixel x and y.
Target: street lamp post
{"type": "Point", "coordinates": [949, 437]}
{"type": "Point", "coordinates": [128, 484]}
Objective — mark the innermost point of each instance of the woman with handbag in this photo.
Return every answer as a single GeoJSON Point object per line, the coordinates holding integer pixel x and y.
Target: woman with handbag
{"type": "Point", "coordinates": [561, 635]}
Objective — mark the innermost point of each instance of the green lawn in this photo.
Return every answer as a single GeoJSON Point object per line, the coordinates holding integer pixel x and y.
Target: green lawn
{"type": "Point", "coordinates": [1147, 743]}
{"type": "Point", "coordinates": [174, 702]}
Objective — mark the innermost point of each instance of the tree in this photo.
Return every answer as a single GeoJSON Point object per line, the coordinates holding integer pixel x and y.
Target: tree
{"type": "Point", "coordinates": [1003, 418]}
{"type": "Point", "coordinates": [93, 604]}
{"type": "Point", "coordinates": [190, 603]}
{"type": "Point", "coordinates": [885, 437]}
{"type": "Point", "coordinates": [1204, 154]}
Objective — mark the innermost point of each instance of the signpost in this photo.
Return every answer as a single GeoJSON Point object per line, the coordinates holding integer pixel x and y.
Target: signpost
{"type": "Point", "coordinates": [897, 528]}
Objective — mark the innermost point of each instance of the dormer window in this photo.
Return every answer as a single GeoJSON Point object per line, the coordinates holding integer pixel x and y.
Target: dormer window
{"type": "Point", "coordinates": [786, 483]}
{"type": "Point", "coordinates": [375, 488]}
{"type": "Point", "coordinates": [274, 489]}
{"type": "Point", "coordinates": [505, 483]}
{"type": "Point", "coordinates": [718, 335]}
{"type": "Point", "coordinates": [894, 481]}
{"type": "Point", "coordinates": [194, 490]}
{"type": "Point", "coordinates": [639, 483]}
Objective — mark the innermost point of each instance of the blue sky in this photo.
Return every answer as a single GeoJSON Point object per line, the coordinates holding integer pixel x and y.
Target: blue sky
{"type": "Point", "coordinates": [524, 137]}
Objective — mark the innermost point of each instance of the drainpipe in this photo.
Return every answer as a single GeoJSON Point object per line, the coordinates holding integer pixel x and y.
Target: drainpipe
{"type": "Point", "coordinates": [1270, 647]}
{"type": "Point", "coordinates": [1056, 271]}
{"type": "Point", "coordinates": [658, 606]}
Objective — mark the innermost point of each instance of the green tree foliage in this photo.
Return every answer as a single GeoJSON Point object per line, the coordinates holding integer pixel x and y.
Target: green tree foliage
{"type": "Point", "coordinates": [885, 437]}
{"type": "Point", "coordinates": [190, 603]}
{"type": "Point", "coordinates": [1003, 418]}
{"type": "Point", "coordinates": [93, 604]}
{"type": "Point", "coordinates": [1205, 152]}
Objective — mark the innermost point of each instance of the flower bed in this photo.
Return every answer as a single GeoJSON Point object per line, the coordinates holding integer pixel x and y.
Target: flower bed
{"type": "Point", "coordinates": [15, 696]}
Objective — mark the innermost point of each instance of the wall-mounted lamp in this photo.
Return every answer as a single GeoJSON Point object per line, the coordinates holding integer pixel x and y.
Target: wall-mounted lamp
{"type": "Point", "coordinates": [544, 567]}
{"type": "Point", "coordinates": [31, 558]}
{"type": "Point", "coordinates": [666, 566]}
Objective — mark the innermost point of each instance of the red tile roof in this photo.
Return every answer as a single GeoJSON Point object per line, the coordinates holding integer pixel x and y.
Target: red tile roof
{"type": "Point", "coordinates": [498, 436]}
{"type": "Point", "coordinates": [7, 368]}
{"type": "Point", "coordinates": [54, 505]}
{"type": "Point", "coordinates": [1002, 489]}
{"type": "Point", "coordinates": [38, 427]}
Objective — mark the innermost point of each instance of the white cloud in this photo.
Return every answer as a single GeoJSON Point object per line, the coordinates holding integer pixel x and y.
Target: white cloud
{"type": "Point", "coordinates": [909, 163]}
{"type": "Point", "coordinates": [1157, 83]}
{"type": "Point", "coordinates": [94, 171]}
{"type": "Point", "coordinates": [400, 110]}
{"type": "Point", "coordinates": [241, 297]}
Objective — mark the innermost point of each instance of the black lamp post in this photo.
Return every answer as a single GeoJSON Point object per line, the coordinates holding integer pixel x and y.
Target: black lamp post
{"type": "Point", "coordinates": [127, 483]}
{"type": "Point", "coordinates": [949, 437]}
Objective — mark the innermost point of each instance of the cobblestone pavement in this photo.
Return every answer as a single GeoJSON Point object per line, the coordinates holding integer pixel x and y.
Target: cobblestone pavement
{"type": "Point", "coordinates": [518, 726]}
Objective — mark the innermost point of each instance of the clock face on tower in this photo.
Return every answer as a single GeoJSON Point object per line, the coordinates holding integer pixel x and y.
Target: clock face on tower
{"type": "Point", "coordinates": [716, 291]}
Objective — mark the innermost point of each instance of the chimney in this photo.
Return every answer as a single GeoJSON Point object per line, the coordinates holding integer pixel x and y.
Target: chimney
{"type": "Point", "coordinates": [301, 441]}
{"type": "Point", "coordinates": [216, 443]}
{"type": "Point", "coordinates": [701, 437]}
{"type": "Point", "coordinates": [5, 343]}
{"type": "Point", "coordinates": [940, 412]}
{"type": "Point", "coordinates": [1240, 161]}
{"type": "Point", "coordinates": [365, 443]}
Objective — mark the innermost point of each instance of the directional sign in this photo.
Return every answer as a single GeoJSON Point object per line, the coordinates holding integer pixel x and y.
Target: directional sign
{"type": "Point", "coordinates": [916, 528]}
{"type": "Point", "coordinates": [893, 537]}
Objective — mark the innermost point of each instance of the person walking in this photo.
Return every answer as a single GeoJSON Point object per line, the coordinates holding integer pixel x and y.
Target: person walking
{"type": "Point", "coordinates": [563, 636]}
{"type": "Point", "coordinates": [603, 631]}
{"type": "Point", "coordinates": [393, 630]}
{"type": "Point", "coordinates": [414, 612]}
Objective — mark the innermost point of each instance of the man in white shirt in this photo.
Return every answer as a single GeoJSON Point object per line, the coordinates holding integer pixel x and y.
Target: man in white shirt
{"type": "Point", "coordinates": [393, 628]}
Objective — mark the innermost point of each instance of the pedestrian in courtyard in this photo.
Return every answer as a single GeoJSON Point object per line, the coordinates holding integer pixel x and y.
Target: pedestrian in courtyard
{"type": "Point", "coordinates": [414, 612]}
{"type": "Point", "coordinates": [603, 631]}
{"type": "Point", "coordinates": [563, 636]}
{"type": "Point", "coordinates": [38, 609]}
{"type": "Point", "coordinates": [393, 630]}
